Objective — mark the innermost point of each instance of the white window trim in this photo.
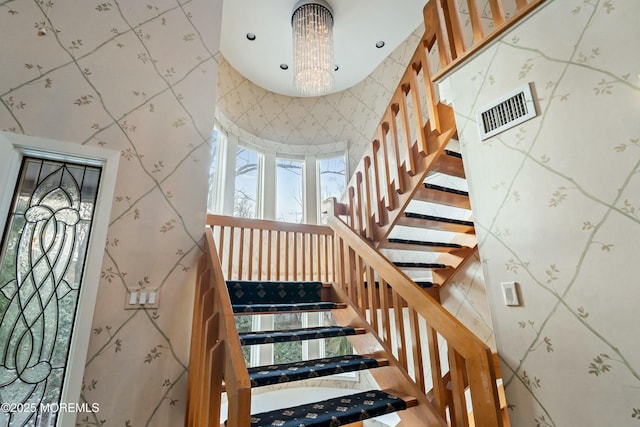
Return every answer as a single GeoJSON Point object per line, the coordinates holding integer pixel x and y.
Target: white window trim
{"type": "Point", "coordinates": [16, 146]}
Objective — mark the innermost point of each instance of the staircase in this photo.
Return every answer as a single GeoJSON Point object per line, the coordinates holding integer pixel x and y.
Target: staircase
{"type": "Point", "coordinates": [363, 268]}
{"type": "Point", "coordinates": [268, 297]}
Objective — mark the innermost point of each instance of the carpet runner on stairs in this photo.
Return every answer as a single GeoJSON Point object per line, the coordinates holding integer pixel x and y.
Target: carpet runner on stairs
{"type": "Point", "coordinates": [307, 369]}
{"type": "Point", "coordinates": [287, 335]}
{"type": "Point", "coordinates": [332, 412]}
{"type": "Point", "coordinates": [248, 297]}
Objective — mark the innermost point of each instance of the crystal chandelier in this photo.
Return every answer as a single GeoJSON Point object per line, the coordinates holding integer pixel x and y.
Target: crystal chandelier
{"type": "Point", "coordinates": [312, 24]}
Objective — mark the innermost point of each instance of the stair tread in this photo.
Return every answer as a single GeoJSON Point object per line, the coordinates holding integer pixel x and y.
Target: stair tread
{"type": "Point", "coordinates": [426, 243]}
{"type": "Point", "coordinates": [337, 411]}
{"type": "Point", "coordinates": [439, 218]}
{"type": "Point", "coordinates": [278, 308]}
{"type": "Point", "coordinates": [453, 153]}
{"type": "Point", "coordinates": [421, 283]}
{"type": "Point", "coordinates": [287, 335]}
{"type": "Point", "coordinates": [307, 369]}
{"type": "Point", "coordinates": [446, 189]}
{"type": "Point", "coordinates": [431, 265]}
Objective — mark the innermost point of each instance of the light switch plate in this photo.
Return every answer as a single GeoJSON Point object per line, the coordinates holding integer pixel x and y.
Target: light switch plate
{"type": "Point", "coordinates": [141, 299]}
{"type": "Point", "coordinates": [510, 293]}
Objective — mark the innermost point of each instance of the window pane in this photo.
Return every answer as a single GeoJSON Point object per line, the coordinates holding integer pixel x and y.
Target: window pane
{"type": "Point", "coordinates": [285, 352]}
{"type": "Point", "coordinates": [246, 194]}
{"type": "Point", "coordinates": [289, 190]}
{"type": "Point", "coordinates": [332, 179]}
{"type": "Point", "coordinates": [43, 257]}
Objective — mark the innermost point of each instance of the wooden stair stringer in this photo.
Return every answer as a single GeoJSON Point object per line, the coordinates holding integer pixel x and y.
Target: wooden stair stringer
{"type": "Point", "coordinates": [436, 144]}
{"type": "Point", "coordinates": [390, 377]}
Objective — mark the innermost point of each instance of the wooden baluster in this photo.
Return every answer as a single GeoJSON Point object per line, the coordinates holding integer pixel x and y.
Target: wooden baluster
{"type": "Point", "coordinates": [458, 409]}
{"type": "Point", "coordinates": [260, 244]}
{"type": "Point", "coordinates": [497, 11]}
{"type": "Point", "coordinates": [432, 102]}
{"type": "Point", "coordinates": [373, 305]}
{"type": "Point", "coordinates": [362, 302]}
{"type": "Point", "coordinates": [475, 15]}
{"type": "Point", "coordinates": [311, 252]}
{"type": "Point", "coordinates": [520, 4]}
{"type": "Point", "coordinates": [269, 251]}
{"type": "Point", "coordinates": [277, 255]}
{"type": "Point", "coordinates": [332, 260]}
{"type": "Point", "coordinates": [401, 341]}
{"type": "Point", "coordinates": [303, 254]}
{"type": "Point", "coordinates": [230, 255]}
{"type": "Point", "coordinates": [352, 208]}
{"type": "Point", "coordinates": [383, 295]}
{"type": "Point", "coordinates": [240, 261]}
{"type": "Point", "coordinates": [416, 348]}
{"type": "Point", "coordinates": [439, 387]}
{"type": "Point", "coordinates": [378, 182]}
{"type": "Point", "coordinates": [251, 232]}
{"type": "Point", "coordinates": [435, 27]}
{"type": "Point", "coordinates": [359, 213]}
{"type": "Point", "coordinates": [393, 131]}
{"type": "Point", "coordinates": [369, 205]}
{"type": "Point", "coordinates": [421, 138]}
{"type": "Point", "coordinates": [286, 256]}
{"type": "Point", "coordinates": [454, 28]}
{"type": "Point", "coordinates": [326, 260]}
{"type": "Point", "coordinates": [390, 201]}
{"type": "Point", "coordinates": [408, 140]}
{"type": "Point", "coordinates": [319, 257]}
{"type": "Point", "coordinates": [295, 257]}
{"type": "Point", "coordinates": [221, 251]}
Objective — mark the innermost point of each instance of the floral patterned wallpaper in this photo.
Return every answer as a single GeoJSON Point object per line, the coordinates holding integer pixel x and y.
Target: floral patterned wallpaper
{"type": "Point", "coordinates": [557, 208]}
{"type": "Point", "coordinates": [140, 78]}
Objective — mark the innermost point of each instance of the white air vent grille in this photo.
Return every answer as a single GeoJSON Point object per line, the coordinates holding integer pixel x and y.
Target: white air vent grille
{"type": "Point", "coordinates": [506, 112]}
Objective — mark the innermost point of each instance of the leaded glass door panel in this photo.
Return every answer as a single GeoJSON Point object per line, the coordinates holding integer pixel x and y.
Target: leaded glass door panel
{"type": "Point", "coordinates": [44, 247]}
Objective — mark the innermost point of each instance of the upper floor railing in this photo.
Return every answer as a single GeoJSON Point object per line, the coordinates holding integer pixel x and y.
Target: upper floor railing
{"type": "Point", "coordinates": [415, 127]}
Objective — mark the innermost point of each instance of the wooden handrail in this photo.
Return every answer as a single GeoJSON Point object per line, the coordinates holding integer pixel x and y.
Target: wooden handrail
{"type": "Point", "coordinates": [216, 355]}
{"type": "Point", "coordinates": [443, 18]}
{"type": "Point", "coordinates": [470, 360]}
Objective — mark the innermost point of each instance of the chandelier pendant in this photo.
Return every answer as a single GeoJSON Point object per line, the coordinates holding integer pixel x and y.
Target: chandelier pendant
{"type": "Point", "coordinates": [313, 63]}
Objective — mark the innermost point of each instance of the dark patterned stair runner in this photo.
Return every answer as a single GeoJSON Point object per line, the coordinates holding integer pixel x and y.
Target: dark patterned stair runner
{"type": "Point", "coordinates": [265, 292]}
{"type": "Point", "coordinates": [307, 369]}
{"type": "Point", "coordinates": [249, 297]}
{"type": "Point", "coordinates": [332, 412]}
{"type": "Point", "coordinates": [287, 335]}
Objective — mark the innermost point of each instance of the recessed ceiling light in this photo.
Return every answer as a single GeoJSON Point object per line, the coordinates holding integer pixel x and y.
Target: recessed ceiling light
{"type": "Point", "coordinates": [380, 44]}
{"type": "Point", "coordinates": [251, 36]}
{"type": "Point", "coordinates": [284, 67]}
{"type": "Point", "coordinates": [336, 68]}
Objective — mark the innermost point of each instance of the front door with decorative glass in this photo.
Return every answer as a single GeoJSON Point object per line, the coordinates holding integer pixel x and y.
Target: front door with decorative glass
{"type": "Point", "coordinates": [45, 245]}
{"type": "Point", "coordinates": [43, 253]}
